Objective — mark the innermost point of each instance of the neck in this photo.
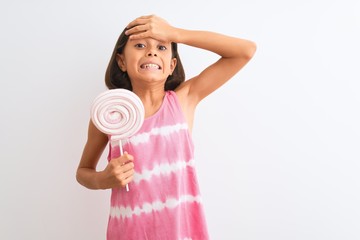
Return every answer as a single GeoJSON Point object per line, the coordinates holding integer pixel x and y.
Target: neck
{"type": "Point", "coordinates": [151, 98]}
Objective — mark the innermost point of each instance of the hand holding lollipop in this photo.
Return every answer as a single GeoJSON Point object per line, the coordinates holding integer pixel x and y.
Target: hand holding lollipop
{"type": "Point", "coordinates": [118, 113]}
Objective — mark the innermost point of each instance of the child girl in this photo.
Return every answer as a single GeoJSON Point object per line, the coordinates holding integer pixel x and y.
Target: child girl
{"type": "Point", "coordinates": [164, 202]}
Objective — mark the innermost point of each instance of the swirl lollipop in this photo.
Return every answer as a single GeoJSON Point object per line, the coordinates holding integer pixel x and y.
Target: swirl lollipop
{"type": "Point", "coordinates": [118, 113]}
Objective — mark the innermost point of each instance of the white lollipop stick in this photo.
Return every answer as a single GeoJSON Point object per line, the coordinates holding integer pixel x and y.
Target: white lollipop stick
{"type": "Point", "coordinates": [122, 153]}
{"type": "Point", "coordinates": [118, 113]}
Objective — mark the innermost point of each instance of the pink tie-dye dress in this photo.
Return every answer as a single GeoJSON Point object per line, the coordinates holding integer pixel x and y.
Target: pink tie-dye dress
{"type": "Point", "coordinates": [164, 201]}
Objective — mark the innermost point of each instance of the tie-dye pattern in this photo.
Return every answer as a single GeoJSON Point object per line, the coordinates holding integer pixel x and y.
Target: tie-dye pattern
{"type": "Point", "coordinates": [164, 201]}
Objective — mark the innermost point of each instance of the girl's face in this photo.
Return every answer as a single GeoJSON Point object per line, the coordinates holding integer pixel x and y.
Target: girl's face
{"type": "Point", "coordinates": [147, 60]}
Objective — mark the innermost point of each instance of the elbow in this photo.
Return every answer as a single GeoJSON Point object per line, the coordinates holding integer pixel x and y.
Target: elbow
{"type": "Point", "coordinates": [245, 54]}
{"type": "Point", "coordinates": [250, 50]}
{"type": "Point", "coordinates": [78, 177]}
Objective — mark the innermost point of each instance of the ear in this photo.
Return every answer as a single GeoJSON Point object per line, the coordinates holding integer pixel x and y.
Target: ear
{"type": "Point", "coordinates": [173, 65]}
{"type": "Point", "coordinates": [121, 62]}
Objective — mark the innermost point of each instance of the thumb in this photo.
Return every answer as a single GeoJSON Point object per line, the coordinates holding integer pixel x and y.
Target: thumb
{"type": "Point", "coordinates": [126, 157]}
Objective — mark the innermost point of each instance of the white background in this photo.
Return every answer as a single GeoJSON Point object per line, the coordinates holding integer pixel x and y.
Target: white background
{"type": "Point", "coordinates": [277, 147]}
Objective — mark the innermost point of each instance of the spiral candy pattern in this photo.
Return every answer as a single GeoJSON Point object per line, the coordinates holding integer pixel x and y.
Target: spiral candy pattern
{"type": "Point", "coordinates": [118, 113]}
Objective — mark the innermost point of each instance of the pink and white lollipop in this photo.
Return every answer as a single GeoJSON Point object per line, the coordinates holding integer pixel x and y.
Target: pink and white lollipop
{"type": "Point", "coordinates": [118, 113]}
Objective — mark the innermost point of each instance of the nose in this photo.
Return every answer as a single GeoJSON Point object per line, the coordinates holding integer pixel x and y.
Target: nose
{"type": "Point", "coordinates": [151, 54]}
{"type": "Point", "coordinates": [152, 50]}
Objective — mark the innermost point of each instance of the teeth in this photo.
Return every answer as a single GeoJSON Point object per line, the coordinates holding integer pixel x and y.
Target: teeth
{"type": "Point", "coordinates": [151, 65]}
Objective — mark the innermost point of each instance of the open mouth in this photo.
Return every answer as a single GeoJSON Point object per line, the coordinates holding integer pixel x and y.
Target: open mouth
{"type": "Point", "coordinates": [149, 66]}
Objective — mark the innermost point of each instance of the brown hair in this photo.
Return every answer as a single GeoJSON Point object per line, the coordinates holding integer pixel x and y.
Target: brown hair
{"type": "Point", "coordinates": [116, 78]}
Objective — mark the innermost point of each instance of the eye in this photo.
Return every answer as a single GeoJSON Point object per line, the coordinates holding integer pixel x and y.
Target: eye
{"type": "Point", "coordinates": [139, 45]}
{"type": "Point", "coordinates": [162, 48]}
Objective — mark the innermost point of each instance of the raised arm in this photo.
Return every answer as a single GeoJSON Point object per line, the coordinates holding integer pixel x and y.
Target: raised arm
{"type": "Point", "coordinates": [234, 53]}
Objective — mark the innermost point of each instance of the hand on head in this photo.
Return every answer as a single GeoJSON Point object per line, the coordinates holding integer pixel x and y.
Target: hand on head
{"type": "Point", "coordinates": [151, 26]}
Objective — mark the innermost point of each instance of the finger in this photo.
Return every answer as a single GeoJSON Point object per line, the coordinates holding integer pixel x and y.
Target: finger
{"type": "Point", "coordinates": [139, 21]}
{"type": "Point", "coordinates": [125, 158]}
{"type": "Point", "coordinates": [137, 29]}
{"type": "Point", "coordinates": [127, 167]}
{"type": "Point", "coordinates": [127, 181]}
{"type": "Point", "coordinates": [128, 156]}
{"type": "Point", "coordinates": [141, 35]}
{"type": "Point", "coordinates": [127, 174]}
{"type": "Point", "coordinates": [126, 178]}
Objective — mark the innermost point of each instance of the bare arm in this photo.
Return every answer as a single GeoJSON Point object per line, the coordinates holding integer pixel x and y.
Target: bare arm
{"type": "Point", "coordinates": [117, 173]}
{"type": "Point", "coordinates": [234, 53]}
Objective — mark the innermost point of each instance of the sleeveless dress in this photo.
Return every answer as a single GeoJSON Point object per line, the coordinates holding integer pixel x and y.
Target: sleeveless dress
{"type": "Point", "coordinates": [164, 201]}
